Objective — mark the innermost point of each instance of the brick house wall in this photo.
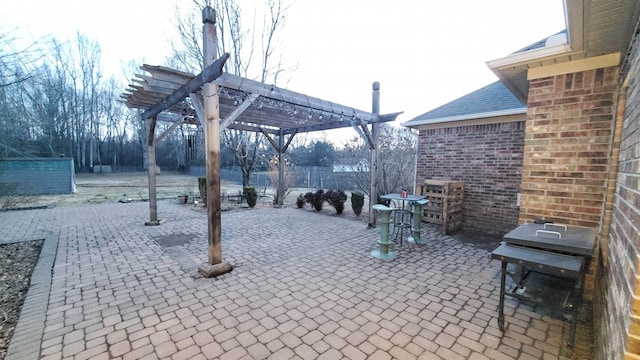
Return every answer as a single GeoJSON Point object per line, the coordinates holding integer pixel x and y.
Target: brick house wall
{"type": "Point", "coordinates": [567, 146]}
{"type": "Point", "coordinates": [488, 158]}
{"type": "Point", "coordinates": [570, 121]}
{"type": "Point", "coordinates": [619, 313]}
{"type": "Point", "coordinates": [571, 174]}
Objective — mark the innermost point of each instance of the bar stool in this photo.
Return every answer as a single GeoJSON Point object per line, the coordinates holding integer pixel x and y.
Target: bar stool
{"type": "Point", "coordinates": [416, 226]}
{"type": "Point", "coordinates": [401, 223]}
{"type": "Point", "coordinates": [383, 252]}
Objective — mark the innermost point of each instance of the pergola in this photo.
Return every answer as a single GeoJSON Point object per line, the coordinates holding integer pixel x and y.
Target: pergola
{"type": "Point", "coordinates": [217, 101]}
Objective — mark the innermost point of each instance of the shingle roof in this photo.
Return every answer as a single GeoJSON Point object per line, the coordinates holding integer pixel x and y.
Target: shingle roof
{"type": "Point", "coordinates": [539, 44]}
{"type": "Point", "coordinates": [493, 98]}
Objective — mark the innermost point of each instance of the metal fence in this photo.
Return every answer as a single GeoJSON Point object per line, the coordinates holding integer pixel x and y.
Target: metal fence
{"type": "Point", "coordinates": [312, 177]}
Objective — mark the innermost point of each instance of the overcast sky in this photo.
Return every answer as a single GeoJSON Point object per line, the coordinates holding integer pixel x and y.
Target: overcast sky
{"type": "Point", "coordinates": [423, 52]}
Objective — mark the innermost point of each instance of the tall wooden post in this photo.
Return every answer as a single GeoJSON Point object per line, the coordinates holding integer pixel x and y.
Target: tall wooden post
{"type": "Point", "coordinates": [280, 194]}
{"type": "Point", "coordinates": [373, 167]}
{"type": "Point", "coordinates": [215, 266]}
{"type": "Point", "coordinates": [152, 171]}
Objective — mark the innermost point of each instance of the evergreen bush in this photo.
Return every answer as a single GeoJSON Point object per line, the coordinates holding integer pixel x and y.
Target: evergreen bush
{"type": "Point", "coordinates": [336, 198]}
{"type": "Point", "coordinates": [251, 195]}
{"type": "Point", "coordinates": [357, 202]}
{"type": "Point", "coordinates": [315, 199]}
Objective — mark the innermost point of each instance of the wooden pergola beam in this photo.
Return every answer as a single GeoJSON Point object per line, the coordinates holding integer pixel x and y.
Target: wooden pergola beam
{"type": "Point", "coordinates": [170, 129]}
{"type": "Point", "coordinates": [238, 111]}
{"type": "Point", "coordinates": [198, 107]}
{"type": "Point", "coordinates": [207, 75]}
{"type": "Point", "coordinates": [291, 97]}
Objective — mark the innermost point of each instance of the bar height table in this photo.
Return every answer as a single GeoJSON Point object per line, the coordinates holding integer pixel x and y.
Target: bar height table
{"type": "Point", "coordinates": [414, 201]}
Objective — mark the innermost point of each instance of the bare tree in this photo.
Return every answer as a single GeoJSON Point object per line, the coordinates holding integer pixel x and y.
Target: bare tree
{"type": "Point", "coordinates": [274, 176]}
{"type": "Point", "coordinates": [17, 68]}
{"type": "Point", "coordinates": [45, 94]}
{"type": "Point", "coordinates": [16, 63]}
{"type": "Point", "coordinates": [246, 148]}
{"type": "Point", "coordinates": [242, 45]}
{"type": "Point", "coordinates": [115, 121]}
{"type": "Point", "coordinates": [54, 101]}
{"type": "Point", "coordinates": [396, 166]}
{"type": "Point", "coordinates": [79, 65]}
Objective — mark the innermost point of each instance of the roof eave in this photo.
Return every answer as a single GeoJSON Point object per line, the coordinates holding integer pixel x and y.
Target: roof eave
{"type": "Point", "coordinates": [512, 69]}
{"type": "Point", "coordinates": [526, 57]}
{"type": "Point", "coordinates": [490, 114]}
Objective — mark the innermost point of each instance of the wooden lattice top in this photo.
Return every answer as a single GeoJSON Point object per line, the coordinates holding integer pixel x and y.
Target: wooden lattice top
{"type": "Point", "coordinates": [269, 109]}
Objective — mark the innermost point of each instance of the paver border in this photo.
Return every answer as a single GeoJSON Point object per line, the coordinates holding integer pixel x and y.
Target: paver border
{"type": "Point", "coordinates": [27, 337]}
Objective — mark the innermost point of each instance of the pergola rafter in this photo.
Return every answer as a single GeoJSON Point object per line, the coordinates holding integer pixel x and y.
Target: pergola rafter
{"type": "Point", "coordinates": [220, 100]}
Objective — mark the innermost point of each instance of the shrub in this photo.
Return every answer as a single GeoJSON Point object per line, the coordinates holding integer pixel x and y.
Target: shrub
{"type": "Point", "coordinates": [308, 197]}
{"type": "Point", "coordinates": [300, 201]}
{"type": "Point", "coordinates": [357, 202]}
{"type": "Point", "coordinates": [315, 199]}
{"type": "Point", "coordinates": [202, 187]}
{"type": "Point", "coordinates": [251, 195]}
{"type": "Point", "coordinates": [336, 198]}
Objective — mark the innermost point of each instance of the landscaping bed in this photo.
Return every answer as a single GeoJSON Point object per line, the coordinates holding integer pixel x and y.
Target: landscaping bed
{"type": "Point", "coordinates": [17, 261]}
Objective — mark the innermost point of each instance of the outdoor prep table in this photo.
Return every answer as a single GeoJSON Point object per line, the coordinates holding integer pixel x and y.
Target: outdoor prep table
{"type": "Point", "coordinates": [551, 261]}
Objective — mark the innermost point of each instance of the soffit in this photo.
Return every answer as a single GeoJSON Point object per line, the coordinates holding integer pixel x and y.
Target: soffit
{"type": "Point", "coordinates": [607, 25]}
{"type": "Point", "coordinates": [594, 28]}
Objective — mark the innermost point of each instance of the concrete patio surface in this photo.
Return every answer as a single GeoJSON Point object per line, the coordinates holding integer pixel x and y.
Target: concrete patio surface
{"type": "Point", "coordinates": [304, 286]}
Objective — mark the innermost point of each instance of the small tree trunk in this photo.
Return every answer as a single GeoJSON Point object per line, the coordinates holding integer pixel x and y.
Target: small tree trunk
{"type": "Point", "coordinates": [245, 179]}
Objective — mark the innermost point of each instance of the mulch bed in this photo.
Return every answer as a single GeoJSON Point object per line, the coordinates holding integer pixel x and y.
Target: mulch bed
{"type": "Point", "coordinates": [17, 261]}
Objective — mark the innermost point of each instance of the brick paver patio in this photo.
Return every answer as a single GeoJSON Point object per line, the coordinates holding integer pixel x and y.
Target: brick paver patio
{"type": "Point", "coordinates": [303, 287]}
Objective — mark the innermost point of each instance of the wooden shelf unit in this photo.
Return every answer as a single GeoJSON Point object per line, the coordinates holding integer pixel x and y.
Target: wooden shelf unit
{"type": "Point", "coordinates": [445, 203]}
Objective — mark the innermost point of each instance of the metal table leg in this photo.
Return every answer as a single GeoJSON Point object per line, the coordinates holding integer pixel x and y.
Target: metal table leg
{"type": "Point", "coordinates": [401, 222]}
{"type": "Point", "coordinates": [503, 277]}
{"type": "Point", "coordinates": [574, 317]}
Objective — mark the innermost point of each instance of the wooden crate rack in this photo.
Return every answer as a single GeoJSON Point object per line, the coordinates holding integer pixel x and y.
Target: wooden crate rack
{"type": "Point", "coordinates": [445, 203]}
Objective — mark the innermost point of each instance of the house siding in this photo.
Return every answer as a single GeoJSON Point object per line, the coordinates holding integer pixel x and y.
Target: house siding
{"type": "Point", "coordinates": [488, 158]}
{"type": "Point", "coordinates": [619, 327]}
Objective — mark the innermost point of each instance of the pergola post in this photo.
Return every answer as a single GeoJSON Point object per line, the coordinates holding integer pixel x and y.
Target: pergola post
{"type": "Point", "coordinates": [280, 192]}
{"type": "Point", "coordinates": [215, 266]}
{"type": "Point", "coordinates": [281, 147]}
{"type": "Point", "coordinates": [152, 171]}
{"type": "Point", "coordinates": [373, 167]}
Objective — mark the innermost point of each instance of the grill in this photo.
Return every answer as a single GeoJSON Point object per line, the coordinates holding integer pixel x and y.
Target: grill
{"type": "Point", "coordinates": [550, 264]}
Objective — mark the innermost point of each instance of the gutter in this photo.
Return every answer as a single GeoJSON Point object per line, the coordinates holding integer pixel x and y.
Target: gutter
{"type": "Point", "coordinates": [489, 114]}
{"type": "Point", "coordinates": [534, 55]}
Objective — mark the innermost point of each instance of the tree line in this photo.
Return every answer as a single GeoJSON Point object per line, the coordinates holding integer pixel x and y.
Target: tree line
{"type": "Point", "coordinates": [56, 102]}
